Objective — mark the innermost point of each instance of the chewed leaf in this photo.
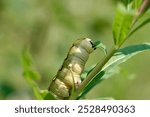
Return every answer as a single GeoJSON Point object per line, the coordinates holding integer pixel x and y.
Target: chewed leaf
{"type": "Point", "coordinates": [124, 54]}
{"type": "Point", "coordinates": [122, 24]}
{"type": "Point", "coordinates": [103, 47]}
{"type": "Point", "coordinates": [96, 43]}
{"type": "Point", "coordinates": [99, 44]}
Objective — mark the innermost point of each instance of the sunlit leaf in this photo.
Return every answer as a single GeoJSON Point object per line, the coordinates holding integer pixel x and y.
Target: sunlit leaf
{"type": "Point", "coordinates": [122, 24]}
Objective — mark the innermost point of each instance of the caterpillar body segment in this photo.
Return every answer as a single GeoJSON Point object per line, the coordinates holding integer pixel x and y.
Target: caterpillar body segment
{"type": "Point", "coordinates": [68, 76]}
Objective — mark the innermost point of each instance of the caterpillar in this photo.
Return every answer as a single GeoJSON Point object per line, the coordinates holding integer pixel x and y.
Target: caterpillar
{"type": "Point", "coordinates": [69, 75]}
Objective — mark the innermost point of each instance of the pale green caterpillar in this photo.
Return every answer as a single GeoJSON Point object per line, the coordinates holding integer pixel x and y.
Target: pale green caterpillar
{"type": "Point", "coordinates": [69, 75]}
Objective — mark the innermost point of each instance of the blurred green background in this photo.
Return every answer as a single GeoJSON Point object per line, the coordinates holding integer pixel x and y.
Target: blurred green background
{"type": "Point", "coordinates": [49, 27]}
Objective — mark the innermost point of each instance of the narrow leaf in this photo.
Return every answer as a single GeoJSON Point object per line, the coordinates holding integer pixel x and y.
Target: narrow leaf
{"type": "Point", "coordinates": [93, 83]}
{"type": "Point", "coordinates": [37, 93]}
{"type": "Point", "coordinates": [140, 26]}
{"type": "Point", "coordinates": [28, 69]}
{"type": "Point", "coordinates": [26, 58]}
{"type": "Point", "coordinates": [122, 55]}
{"type": "Point", "coordinates": [86, 72]}
{"type": "Point", "coordinates": [30, 74]}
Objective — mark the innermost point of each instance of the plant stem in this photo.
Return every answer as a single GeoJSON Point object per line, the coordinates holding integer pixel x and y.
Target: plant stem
{"type": "Point", "coordinates": [97, 69]}
{"type": "Point", "coordinates": [144, 6]}
{"type": "Point", "coordinates": [101, 64]}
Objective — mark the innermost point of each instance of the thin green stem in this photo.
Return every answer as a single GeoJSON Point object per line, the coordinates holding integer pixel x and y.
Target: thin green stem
{"type": "Point", "coordinates": [96, 70]}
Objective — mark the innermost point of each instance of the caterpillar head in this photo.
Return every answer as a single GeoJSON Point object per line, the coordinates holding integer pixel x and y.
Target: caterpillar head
{"type": "Point", "coordinates": [87, 44]}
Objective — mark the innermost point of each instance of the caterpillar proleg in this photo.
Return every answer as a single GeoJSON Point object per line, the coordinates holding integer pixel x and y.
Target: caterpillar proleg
{"type": "Point", "coordinates": [68, 76]}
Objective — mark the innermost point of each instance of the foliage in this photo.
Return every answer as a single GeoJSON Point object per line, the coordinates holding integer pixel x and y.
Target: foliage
{"type": "Point", "coordinates": [119, 57]}
{"type": "Point", "coordinates": [31, 76]}
{"type": "Point", "coordinates": [123, 25]}
{"type": "Point", "coordinates": [49, 27]}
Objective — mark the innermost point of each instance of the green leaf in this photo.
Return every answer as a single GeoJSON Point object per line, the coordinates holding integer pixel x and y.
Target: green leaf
{"type": "Point", "coordinates": [125, 2]}
{"type": "Point", "coordinates": [46, 95]}
{"type": "Point", "coordinates": [92, 83]}
{"type": "Point", "coordinates": [109, 69]}
{"type": "Point", "coordinates": [122, 24]}
{"type": "Point", "coordinates": [30, 74]}
{"type": "Point", "coordinates": [136, 4]}
{"type": "Point", "coordinates": [97, 44]}
{"type": "Point", "coordinates": [37, 93]}
{"type": "Point", "coordinates": [26, 58]}
{"type": "Point", "coordinates": [102, 46]}
{"type": "Point", "coordinates": [122, 55]}
{"type": "Point", "coordinates": [28, 68]}
{"type": "Point", "coordinates": [30, 82]}
{"type": "Point", "coordinates": [146, 21]}
{"type": "Point", "coordinates": [29, 71]}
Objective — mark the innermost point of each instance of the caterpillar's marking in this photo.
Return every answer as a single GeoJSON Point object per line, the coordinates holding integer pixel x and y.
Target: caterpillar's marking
{"type": "Point", "coordinates": [68, 76]}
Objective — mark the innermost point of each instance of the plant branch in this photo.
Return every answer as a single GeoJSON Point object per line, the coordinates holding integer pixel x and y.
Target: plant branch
{"type": "Point", "coordinates": [141, 10]}
{"type": "Point", "coordinates": [97, 69]}
{"type": "Point", "coordinates": [101, 64]}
